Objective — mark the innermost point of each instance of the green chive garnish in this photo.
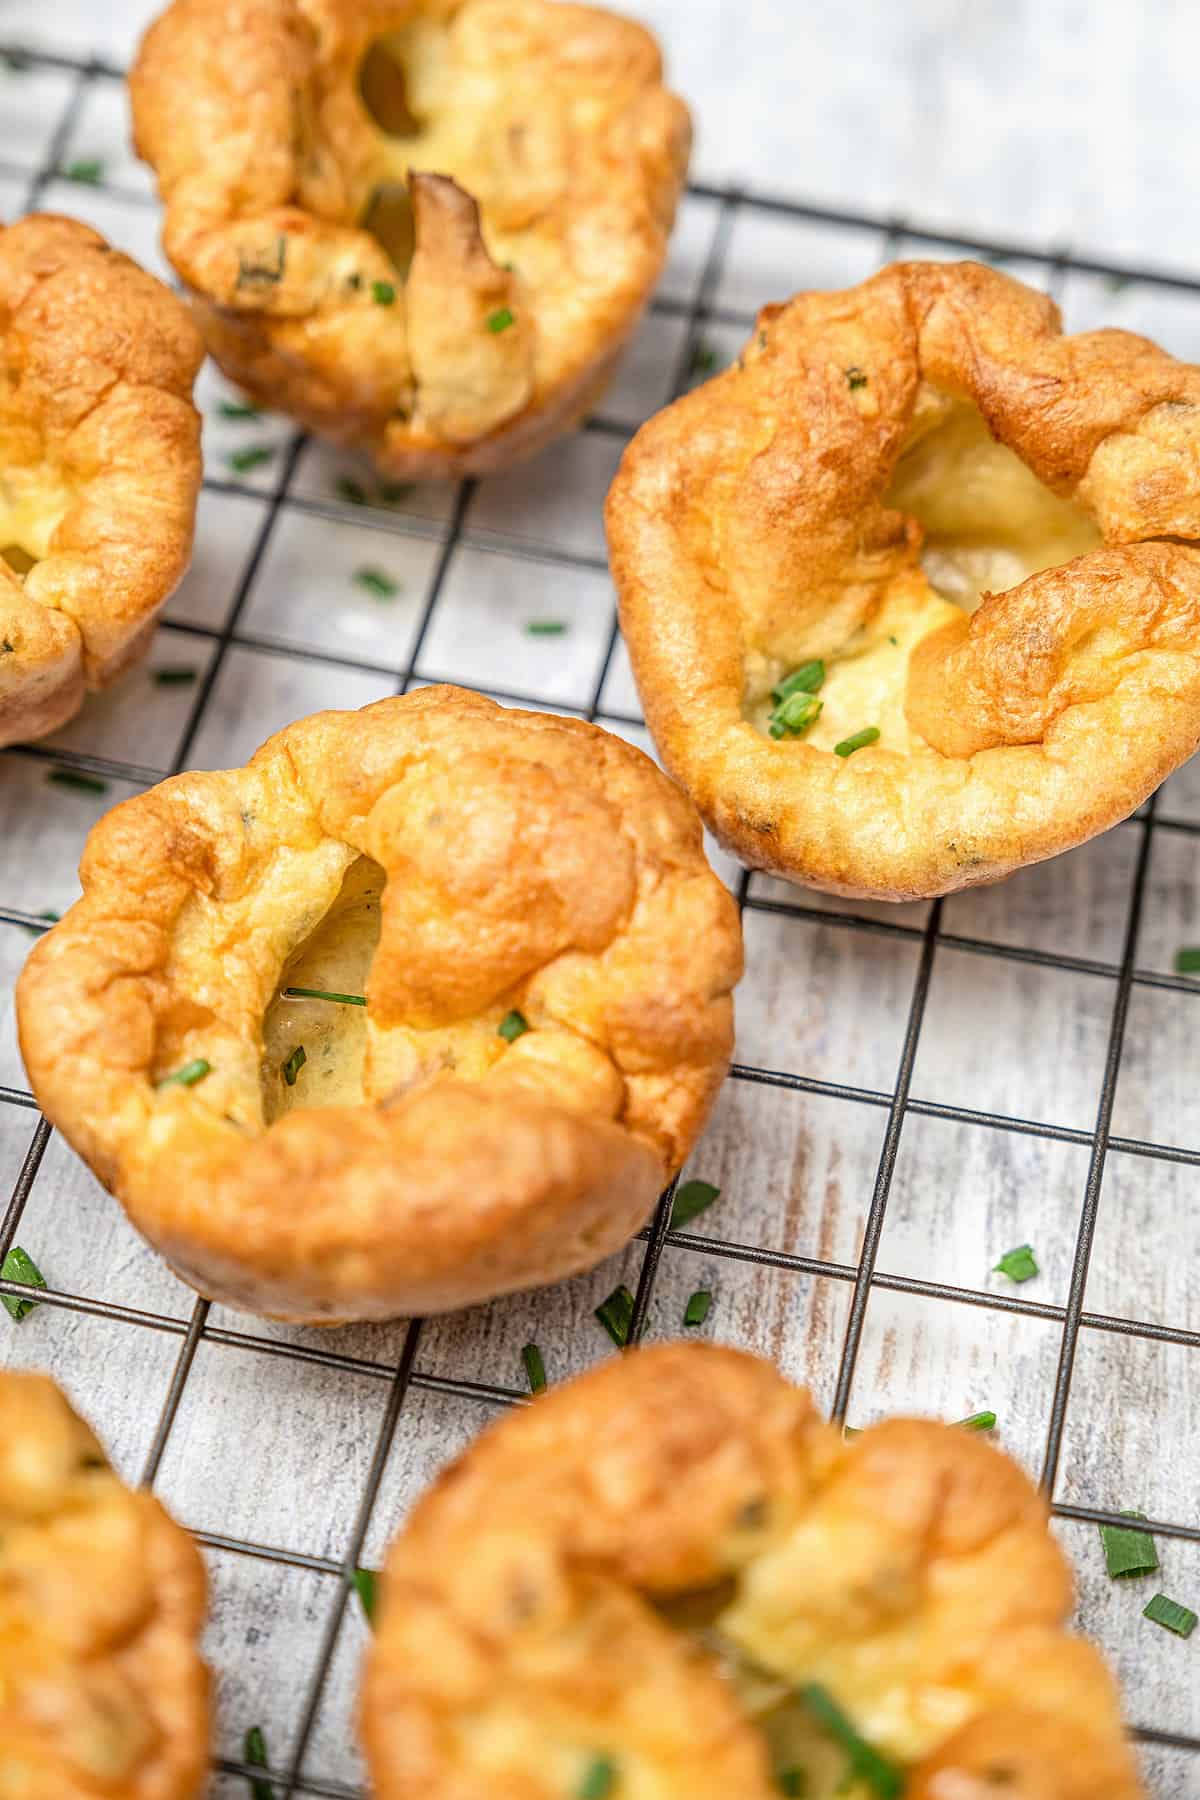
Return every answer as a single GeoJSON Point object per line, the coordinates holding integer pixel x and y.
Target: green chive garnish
{"type": "Point", "coordinates": [364, 1587]}
{"type": "Point", "coordinates": [704, 359]}
{"type": "Point", "coordinates": [90, 170]}
{"type": "Point", "coordinates": [599, 1780]}
{"type": "Point", "coordinates": [255, 1754]}
{"type": "Point", "coordinates": [535, 1368]}
{"type": "Point", "coordinates": [394, 493]}
{"type": "Point", "coordinates": [377, 583]}
{"type": "Point", "coordinates": [1019, 1264]}
{"type": "Point", "coordinates": [292, 1067]}
{"type": "Point", "coordinates": [868, 735]}
{"type": "Point", "coordinates": [693, 1198]}
{"type": "Point", "coordinates": [793, 716]}
{"type": "Point", "coordinates": [239, 409]}
{"type": "Point", "coordinates": [18, 1265]}
{"type": "Point", "coordinates": [174, 675]}
{"type": "Point", "coordinates": [866, 1763]}
{"type": "Point", "coordinates": [500, 321]}
{"type": "Point", "coordinates": [240, 461]}
{"type": "Point", "coordinates": [1128, 1551]}
{"type": "Point", "coordinates": [353, 491]}
{"type": "Point", "coordinates": [382, 293]}
{"type": "Point", "coordinates": [1179, 1619]}
{"type": "Point", "coordinates": [616, 1315]}
{"type": "Point", "coordinates": [51, 918]}
{"type": "Point", "coordinates": [807, 679]}
{"type": "Point", "coordinates": [791, 1781]}
{"type": "Point", "coordinates": [512, 1026]}
{"type": "Point", "coordinates": [1187, 962]}
{"type": "Point", "coordinates": [697, 1308]}
{"type": "Point", "coordinates": [855, 378]}
{"type": "Point", "coordinates": [545, 627]}
{"type": "Point", "coordinates": [75, 778]}
{"type": "Point", "coordinates": [980, 1421]}
{"type": "Point", "coordinates": [189, 1075]}
{"type": "Point", "coordinates": [15, 62]}
{"type": "Point", "coordinates": [1116, 284]}
{"type": "Point", "coordinates": [294, 993]}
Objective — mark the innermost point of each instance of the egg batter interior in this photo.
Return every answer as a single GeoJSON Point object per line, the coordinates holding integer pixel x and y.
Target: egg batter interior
{"type": "Point", "coordinates": [988, 524]}
{"type": "Point", "coordinates": [32, 504]}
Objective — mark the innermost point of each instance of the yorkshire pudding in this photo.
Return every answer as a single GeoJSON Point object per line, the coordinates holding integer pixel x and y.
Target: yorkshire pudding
{"type": "Point", "coordinates": [912, 593]}
{"type": "Point", "coordinates": [514, 1042]}
{"type": "Point", "coordinates": [99, 465]}
{"type": "Point", "coordinates": [423, 227]}
{"type": "Point", "coordinates": [102, 1600]}
{"type": "Point", "coordinates": [671, 1580]}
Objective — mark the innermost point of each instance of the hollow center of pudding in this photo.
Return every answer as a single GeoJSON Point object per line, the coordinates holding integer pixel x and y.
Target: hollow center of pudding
{"type": "Point", "coordinates": [32, 504]}
{"type": "Point", "coordinates": [314, 1048]}
{"type": "Point", "coordinates": [989, 522]}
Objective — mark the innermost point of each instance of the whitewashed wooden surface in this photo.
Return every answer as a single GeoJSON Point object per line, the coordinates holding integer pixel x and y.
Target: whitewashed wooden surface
{"type": "Point", "coordinates": [1050, 125]}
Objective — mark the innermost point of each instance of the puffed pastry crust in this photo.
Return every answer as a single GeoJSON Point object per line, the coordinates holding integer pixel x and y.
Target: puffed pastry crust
{"type": "Point", "coordinates": [99, 465]}
{"type": "Point", "coordinates": [877, 463]}
{"type": "Point", "coordinates": [644, 1568]}
{"type": "Point", "coordinates": [540, 873]}
{"type": "Point", "coordinates": [525, 188]}
{"type": "Point", "coordinates": [102, 1600]}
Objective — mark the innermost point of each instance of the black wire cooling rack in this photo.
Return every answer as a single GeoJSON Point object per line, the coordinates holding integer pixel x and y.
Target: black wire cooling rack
{"type": "Point", "coordinates": [700, 313]}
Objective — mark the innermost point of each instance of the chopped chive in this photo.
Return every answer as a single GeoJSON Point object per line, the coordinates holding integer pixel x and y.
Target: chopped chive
{"type": "Point", "coordinates": [294, 993]}
{"type": "Point", "coordinates": [868, 735]}
{"type": "Point", "coordinates": [866, 1762]}
{"type": "Point", "coordinates": [697, 1308]}
{"type": "Point", "coordinates": [1179, 1619]}
{"type": "Point", "coordinates": [791, 1781]}
{"type": "Point", "coordinates": [1019, 1264]}
{"type": "Point", "coordinates": [1116, 284]}
{"type": "Point", "coordinates": [616, 1315]}
{"type": "Point", "coordinates": [1128, 1551]}
{"type": "Point", "coordinates": [545, 627]}
{"type": "Point", "coordinates": [292, 1067]}
{"type": "Point", "coordinates": [704, 359]}
{"type": "Point", "coordinates": [980, 1421]}
{"type": "Point", "coordinates": [382, 293]}
{"type": "Point", "coordinates": [239, 409]}
{"type": "Point", "coordinates": [377, 583]}
{"type": "Point", "coordinates": [364, 1587]}
{"type": "Point", "coordinates": [535, 1368]}
{"type": "Point", "coordinates": [75, 778]}
{"type": "Point", "coordinates": [18, 1265]}
{"type": "Point", "coordinates": [1187, 962]}
{"type": "Point", "coordinates": [793, 716]}
{"type": "Point", "coordinates": [599, 1780]}
{"type": "Point", "coordinates": [254, 1752]}
{"type": "Point", "coordinates": [174, 675]}
{"type": "Point", "coordinates": [353, 491]}
{"type": "Point", "coordinates": [189, 1075]}
{"type": "Point", "coordinates": [855, 378]}
{"type": "Point", "coordinates": [513, 1025]}
{"type": "Point", "coordinates": [15, 62]}
{"type": "Point", "coordinates": [500, 320]}
{"type": "Point", "coordinates": [240, 461]}
{"type": "Point", "coordinates": [90, 170]}
{"type": "Point", "coordinates": [807, 679]}
{"type": "Point", "coordinates": [51, 918]}
{"type": "Point", "coordinates": [693, 1198]}
{"type": "Point", "coordinates": [394, 493]}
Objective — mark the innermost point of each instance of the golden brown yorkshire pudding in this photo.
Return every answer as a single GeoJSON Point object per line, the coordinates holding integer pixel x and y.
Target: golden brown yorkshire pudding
{"type": "Point", "coordinates": [423, 227]}
{"type": "Point", "coordinates": [513, 1043]}
{"type": "Point", "coordinates": [912, 593]}
{"type": "Point", "coordinates": [102, 1600]}
{"type": "Point", "coordinates": [671, 1580]}
{"type": "Point", "coordinates": [99, 465]}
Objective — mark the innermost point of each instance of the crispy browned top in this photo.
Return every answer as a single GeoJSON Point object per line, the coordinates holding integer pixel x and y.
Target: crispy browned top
{"type": "Point", "coordinates": [781, 513]}
{"type": "Point", "coordinates": [99, 463]}
{"type": "Point", "coordinates": [543, 160]}
{"type": "Point", "coordinates": [102, 1690]}
{"type": "Point", "coordinates": [650, 1561]}
{"type": "Point", "coordinates": [420, 1158]}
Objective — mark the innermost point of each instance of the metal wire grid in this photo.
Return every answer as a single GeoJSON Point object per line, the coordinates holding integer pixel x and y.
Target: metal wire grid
{"type": "Point", "coordinates": [405, 1376]}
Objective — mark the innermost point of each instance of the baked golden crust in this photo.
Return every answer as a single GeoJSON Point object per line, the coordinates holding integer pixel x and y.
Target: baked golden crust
{"type": "Point", "coordinates": [418, 1159]}
{"type": "Point", "coordinates": [781, 513]}
{"type": "Point", "coordinates": [648, 1563]}
{"type": "Point", "coordinates": [526, 192]}
{"type": "Point", "coordinates": [99, 465]}
{"type": "Point", "coordinates": [102, 1600]}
